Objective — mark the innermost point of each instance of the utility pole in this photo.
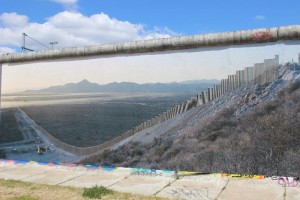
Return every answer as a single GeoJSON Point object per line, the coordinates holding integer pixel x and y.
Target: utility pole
{"type": "Point", "coordinates": [23, 44]}
{"type": "Point", "coordinates": [53, 43]}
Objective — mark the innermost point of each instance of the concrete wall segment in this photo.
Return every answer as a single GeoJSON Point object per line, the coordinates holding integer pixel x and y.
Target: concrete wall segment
{"type": "Point", "coordinates": [166, 44]}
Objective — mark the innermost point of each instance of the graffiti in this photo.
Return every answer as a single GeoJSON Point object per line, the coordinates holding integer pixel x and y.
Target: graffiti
{"type": "Point", "coordinates": [145, 172]}
{"type": "Point", "coordinates": [90, 167]}
{"type": "Point", "coordinates": [21, 161]}
{"type": "Point", "coordinates": [261, 35]}
{"type": "Point", "coordinates": [108, 168]}
{"type": "Point", "coordinates": [186, 173]}
{"type": "Point", "coordinates": [188, 193]}
{"type": "Point", "coordinates": [243, 176]}
{"type": "Point", "coordinates": [153, 172]}
{"type": "Point", "coordinates": [67, 164]}
{"type": "Point", "coordinates": [9, 161]}
{"type": "Point", "coordinates": [286, 181]}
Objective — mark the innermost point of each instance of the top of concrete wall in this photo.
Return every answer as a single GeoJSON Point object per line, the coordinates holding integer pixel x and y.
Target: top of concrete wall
{"type": "Point", "coordinates": [263, 35]}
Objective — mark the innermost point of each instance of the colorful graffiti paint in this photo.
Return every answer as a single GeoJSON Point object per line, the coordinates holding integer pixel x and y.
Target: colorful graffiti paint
{"type": "Point", "coordinates": [287, 181]}
{"type": "Point", "coordinates": [152, 172]}
{"type": "Point", "coordinates": [145, 172]}
{"type": "Point", "coordinates": [261, 35]}
{"type": "Point", "coordinates": [282, 180]}
{"type": "Point", "coordinates": [108, 168]}
{"type": "Point", "coordinates": [187, 173]}
{"type": "Point", "coordinates": [242, 176]}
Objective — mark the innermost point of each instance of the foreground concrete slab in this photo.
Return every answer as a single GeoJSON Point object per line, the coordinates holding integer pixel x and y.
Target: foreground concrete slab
{"type": "Point", "coordinates": [195, 187]}
{"type": "Point", "coordinates": [292, 193]}
{"type": "Point", "coordinates": [21, 172]}
{"type": "Point", "coordinates": [192, 187]}
{"type": "Point", "coordinates": [90, 179]}
{"type": "Point", "coordinates": [53, 177]}
{"type": "Point", "coordinates": [237, 189]}
{"type": "Point", "coordinates": [5, 167]}
{"type": "Point", "coordinates": [139, 184]}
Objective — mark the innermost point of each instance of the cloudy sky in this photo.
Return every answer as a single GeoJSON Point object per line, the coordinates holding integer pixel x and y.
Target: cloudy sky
{"type": "Point", "coordinates": [89, 22]}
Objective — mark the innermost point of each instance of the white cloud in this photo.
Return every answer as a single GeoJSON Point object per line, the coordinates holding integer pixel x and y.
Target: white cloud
{"type": "Point", "coordinates": [71, 29]}
{"type": "Point", "coordinates": [4, 50]}
{"type": "Point", "coordinates": [13, 20]}
{"type": "Point", "coordinates": [260, 17]}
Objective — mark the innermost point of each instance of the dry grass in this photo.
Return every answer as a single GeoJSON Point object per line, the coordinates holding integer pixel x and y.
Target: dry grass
{"type": "Point", "coordinates": [264, 141]}
{"type": "Point", "coordinates": [18, 190]}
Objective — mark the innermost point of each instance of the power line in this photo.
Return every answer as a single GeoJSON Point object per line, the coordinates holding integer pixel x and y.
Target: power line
{"type": "Point", "coordinates": [38, 42]}
{"type": "Point", "coordinates": [24, 48]}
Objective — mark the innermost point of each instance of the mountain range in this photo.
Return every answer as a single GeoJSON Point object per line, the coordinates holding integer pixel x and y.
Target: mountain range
{"type": "Point", "coordinates": [86, 86]}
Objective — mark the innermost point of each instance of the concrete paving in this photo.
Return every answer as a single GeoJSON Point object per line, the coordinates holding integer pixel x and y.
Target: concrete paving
{"type": "Point", "coordinates": [21, 172]}
{"type": "Point", "coordinates": [92, 178]}
{"type": "Point", "coordinates": [292, 193]}
{"type": "Point", "coordinates": [252, 189]}
{"type": "Point", "coordinates": [54, 176]}
{"type": "Point", "coordinates": [158, 183]}
{"type": "Point", "coordinates": [146, 185]}
{"type": "Point", "coordinates": [195, 187]}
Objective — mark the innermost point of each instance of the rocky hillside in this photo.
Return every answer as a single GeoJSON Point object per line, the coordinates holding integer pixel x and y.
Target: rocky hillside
{"type": "Point", "coordinates": [254, 130]}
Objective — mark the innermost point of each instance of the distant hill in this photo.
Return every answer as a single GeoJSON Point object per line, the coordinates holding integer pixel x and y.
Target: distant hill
{"type": "Point", "coordinates": [85, 86]}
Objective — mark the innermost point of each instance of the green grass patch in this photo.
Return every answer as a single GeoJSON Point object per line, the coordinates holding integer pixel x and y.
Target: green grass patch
{"type": "Point", "coordinates": [25, 197]}
{"type": "Point", "coordinates": [96, 192]}
{"type": "Point", "coordinates": [14, 183]}
{"type": "Point", "coordinates": [19, 190]}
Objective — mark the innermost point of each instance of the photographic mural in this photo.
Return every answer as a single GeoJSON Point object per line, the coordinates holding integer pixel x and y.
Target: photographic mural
{"type": "Point", "coordinates": [232, 109]}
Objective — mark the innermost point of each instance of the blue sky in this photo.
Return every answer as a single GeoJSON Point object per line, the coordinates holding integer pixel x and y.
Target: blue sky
{"type": "Point", "coordinates": [88, 22]}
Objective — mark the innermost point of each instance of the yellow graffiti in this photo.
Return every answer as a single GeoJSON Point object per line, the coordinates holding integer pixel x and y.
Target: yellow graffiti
{"type": "Point", "coordinates": [243, 176]}
{"type": "Point", "coordinates": [186, 173]}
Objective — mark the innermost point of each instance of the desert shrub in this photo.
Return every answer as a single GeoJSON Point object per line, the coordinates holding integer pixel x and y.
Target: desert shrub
{"type": "Point", "coordinates": [218, 126]}
{"type": "Point", "coordinates": [158, 151]}
{"type": "Point", "coordinates": [96, 192]}
{"type": "Point", "coordinates": [192, 104]}
{"type": "Point", "coordinates": [293, 86]}
{"type": "Point", "coordinates": [171, 152]}
{"type": "Point", "coordinates": [271, 106]}
{"type": "Point", "coordinates": [289, 165]}
{"type": "Point", "coordinates": [278, 133]}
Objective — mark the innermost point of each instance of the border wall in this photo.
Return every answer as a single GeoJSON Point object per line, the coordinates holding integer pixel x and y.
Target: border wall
{"type": "Point", "coordinates": [260, 73]}
{"type": "Point", "coordinates": [243, 37]}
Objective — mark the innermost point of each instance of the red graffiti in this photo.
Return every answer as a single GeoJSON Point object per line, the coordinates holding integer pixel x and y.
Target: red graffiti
{"type": "Point", "coordinates": [262, 35]}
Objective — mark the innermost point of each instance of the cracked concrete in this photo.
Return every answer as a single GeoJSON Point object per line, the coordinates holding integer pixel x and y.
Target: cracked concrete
{"type": "Point", "coordinates": [198, 187]}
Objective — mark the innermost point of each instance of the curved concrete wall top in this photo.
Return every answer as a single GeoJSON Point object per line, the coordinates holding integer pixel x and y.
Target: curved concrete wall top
{"type": "Point", "coordinates": [184, 42]}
